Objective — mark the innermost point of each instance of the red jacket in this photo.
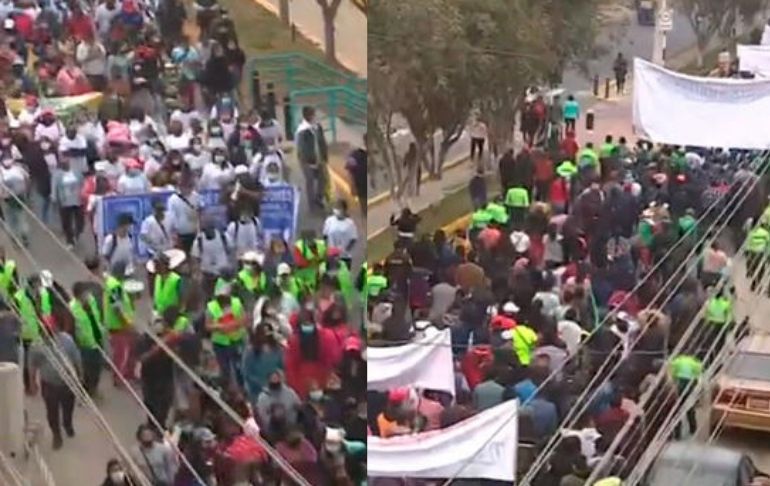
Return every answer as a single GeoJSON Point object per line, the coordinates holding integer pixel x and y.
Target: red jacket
{"type": "Point", "coordinates": [569, 147]}
{"type": "Point", "coordinates": [475, 364]}
{"type": "Point", "coordinates": [301, 372]}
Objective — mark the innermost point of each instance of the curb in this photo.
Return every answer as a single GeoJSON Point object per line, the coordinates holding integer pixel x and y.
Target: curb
{"type": "Point", "coordinates": [380, 198]}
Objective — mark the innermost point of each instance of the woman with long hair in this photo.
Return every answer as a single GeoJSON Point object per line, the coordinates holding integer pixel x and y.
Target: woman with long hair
{"type": "Point", "coordinates": [262, 359]}
{"type": "Point", "coordinates": [308, 359]}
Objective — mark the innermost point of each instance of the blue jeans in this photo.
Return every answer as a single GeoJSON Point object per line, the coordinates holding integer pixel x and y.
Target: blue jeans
{"type": "Point", "coordinates": [16, 218]}
{"type": "Point", "coordinates": [42, 207]}
{"type": "Point", "coordinates": [229, 360]}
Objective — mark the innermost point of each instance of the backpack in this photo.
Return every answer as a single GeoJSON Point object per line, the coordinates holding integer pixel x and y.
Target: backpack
{"type": "Point", "coordinates": [221, 237]}
{"type": "Point", "coordinates": [237, 222]}
{"type": "Point", "coordinates": [114, 246]}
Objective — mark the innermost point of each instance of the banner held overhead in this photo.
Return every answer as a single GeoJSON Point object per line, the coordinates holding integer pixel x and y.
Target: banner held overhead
{"type": "Point", "coordinates": [679, 109]}
{"type": "Point", "coordinates": [754, 59]}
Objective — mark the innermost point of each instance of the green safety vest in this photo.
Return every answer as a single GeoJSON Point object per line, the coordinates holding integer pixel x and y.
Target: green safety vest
{"type": "Point", "coordinates": [517, 197]}
{"type": "Point", "coordinates": [46, 307]}
{"type": "Point", "coordinates": [182, 324]}
{"type": "Point", "coordinates": [309, 255]}
{"type": "Point", "coordinates": [344, 280]}
{"type": "Point", "coordinates": [308, 276]}
{"type": "Point", "coordinates": [588, 157]}
{"type": "Point", "coordinates": [376, 284]}
{"type": "Point", "coordinates": [481, 218]}
{"type": "Point", "coordinates": [758, 240]}
{"type": "Point", "coordinates": [524, 342]}
{"type": "Point", "coordinates": [764, 220]}
{"type": "Point", "coordinates": [216, 313]}
{"type": "Point", "coordinates": [686, 224]}
{"type": "Point", "coordinates": [6, 277]}
{"type": "Point", "coordinates": [252, 284]}
{"type": "Point", "coordinates": [111, 316]}
{"type": "Point", "coordinates": [685, 367]}
{"type": "Point", "coordinates": [84, 332]}
{"type": "Point", "coordinates": [498, 213]}
{"type": "Point", "coordinates": [719, 310]}
{"type": "Point", "coordinates": [30, 323]}
{"type": "Point", "coordinates": [606, 149]}
{"type": "Point", "coordinates": [567, 169]}
{"type": "Point", "coordinates": [221, 282]}
{"type": "Point", "coordinates": [166, 292]}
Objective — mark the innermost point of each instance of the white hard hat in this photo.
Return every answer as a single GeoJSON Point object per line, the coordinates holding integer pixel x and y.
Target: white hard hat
{"type": "Point", "coordinates": [510, 308]}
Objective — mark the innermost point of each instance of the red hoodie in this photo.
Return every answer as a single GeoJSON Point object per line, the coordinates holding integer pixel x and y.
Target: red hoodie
{"type": "Point", "coordinates": [475, 364]}
{"type": "Point", "coordinates": [569, 146]}
{"type": "Point", "coordinates": [300, 371]}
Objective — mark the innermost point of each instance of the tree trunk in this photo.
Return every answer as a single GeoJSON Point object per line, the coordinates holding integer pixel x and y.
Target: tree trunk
{"type": "Point", "coordinates": [329, 11]}
{"type": "Point", "coordinates": [699, 52]}
{"type": "Point", "coordinates": [284, 12]}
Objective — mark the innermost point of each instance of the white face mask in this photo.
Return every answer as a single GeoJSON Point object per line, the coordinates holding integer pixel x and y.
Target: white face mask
{"type": "Point", "coordinates": [337, 212]}
{"type": "Point", "coordinates": [219, 159]}
{"type": "Point", "coordinates": [45, 146]}
{"type": "Point", "coordinates": [118, 477]}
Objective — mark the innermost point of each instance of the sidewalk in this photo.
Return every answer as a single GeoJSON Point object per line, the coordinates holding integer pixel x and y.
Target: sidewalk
{"type": "Point", "coordinates": [350, 29]}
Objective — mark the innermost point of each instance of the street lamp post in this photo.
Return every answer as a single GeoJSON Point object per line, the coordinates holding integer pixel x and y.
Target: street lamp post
{"type": "Point", "coordinates": [661, 30]}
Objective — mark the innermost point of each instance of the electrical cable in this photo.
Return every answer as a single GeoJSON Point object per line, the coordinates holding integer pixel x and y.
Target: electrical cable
{"type": "Point", "coordinates": [556, 438]}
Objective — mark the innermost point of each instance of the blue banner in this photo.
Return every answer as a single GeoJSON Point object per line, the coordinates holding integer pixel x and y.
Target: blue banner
{"type": "Point", "coordinates": [278, 212]}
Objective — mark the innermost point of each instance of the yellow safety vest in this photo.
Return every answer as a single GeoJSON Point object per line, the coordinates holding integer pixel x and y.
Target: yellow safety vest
{"type": "Point", "coordinates": [111, 317]}
{"type": "Point", "coordinates": [166, 292]}
{"type": "Point", "coordinates": [6, 277]}
{"type": "Point", "coordinates": [217, 313]}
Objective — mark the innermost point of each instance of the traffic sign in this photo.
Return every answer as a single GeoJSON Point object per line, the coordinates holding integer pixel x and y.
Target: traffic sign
{"type": "Point", "coordinates": [666, 20]}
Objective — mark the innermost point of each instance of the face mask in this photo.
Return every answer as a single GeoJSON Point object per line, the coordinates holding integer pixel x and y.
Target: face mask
{"type": "Point", "coordinates": [337, 212]}
{"type": "Point", "coordinates": [7, 163]}
{"type": "Point", "coordinates": [219, 159]}
{"type": "Point", "coordinates": [197, 147]}
{"type": "Point", "coordinates": [133, 172]}
{"type": "Point", "coordinates": [158, 154]}
{"type": "Point", "coordinates": [45, 146]}
{"type": "Point", "coordinates": [316, 395]}
{"type": "Point", "coordinates": [274, 386]}
{"type": "Point", "coordinates": [216, 132]}
{"type": "Point", "coordinates": [307, 328]}
{"type": "Point", "coordinates": [209, 234]}
{"type": "Point", "coordinates": [118, 477]}
{"type": "Point", "coordinates": [5, 142]}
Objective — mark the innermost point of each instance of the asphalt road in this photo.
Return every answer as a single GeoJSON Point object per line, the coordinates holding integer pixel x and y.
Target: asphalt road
{"type": "Point", "coordinates": [82, 460]}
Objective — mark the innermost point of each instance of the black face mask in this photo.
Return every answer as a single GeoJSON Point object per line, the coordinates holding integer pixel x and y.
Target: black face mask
{"type": "Point", "coordinates": [209, 234]}
{"type": "Point", "coordinates": [274, 386]}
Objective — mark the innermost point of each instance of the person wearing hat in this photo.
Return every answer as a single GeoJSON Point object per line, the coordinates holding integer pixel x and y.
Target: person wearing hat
{"type": "Point", "coordinates": [394, 420]}
{"type": "Point", "coordinates": [309, 254]}
{"type": "Point", "coordinates": [90, 333]}
{"type": "Point", "coordinates": [133, 180]}
{"type": "Point", "coordinates": [339, 231]}
{"type": "Point", "coordinates": [155, 230]}
{"type": "Point", "coordinates": [251, 279]}
{"type": "Point", "coordinates": [167, 284]}
{"type": "Point", "coordinates": [226, 321]}
{"type": "Point", "coordinates": [118, 312]}
{"type": "Point", "coordinates": [290, 289]}
{"type": "Point", "coordinates": [337, 272]}
{"type": "Point", "coordinates": [118, 246]}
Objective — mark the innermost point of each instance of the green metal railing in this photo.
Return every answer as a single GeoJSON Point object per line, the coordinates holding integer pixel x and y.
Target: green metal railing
{"type": "Point", "coordinates": [298, 71]}
{"type": "Point", "coordinates": [336, 102]}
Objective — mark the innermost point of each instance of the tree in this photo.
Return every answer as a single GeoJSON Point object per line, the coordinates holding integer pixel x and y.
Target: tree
{"type": "Point", "coordinates": [283, 9]}
{"type": "Point", "coordinates": [711, 17]}
{"type": "Point", "coordinates": [329, 10]}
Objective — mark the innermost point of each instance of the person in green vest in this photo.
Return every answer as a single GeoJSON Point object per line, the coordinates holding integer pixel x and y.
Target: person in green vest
{"type": "Point", "coordinates": [118, 312]}
{"type": "Point", "coordinates": [226, 321]}
{"type": "Point", "coordinates": [309, 254]}
{"type": "Point", "coordinates": [90, 334]}
{"type": "Point", "coordinates": [167, 285]}
{"type": "Point", "coordinates": [608, 147]}
{"type": "Point", "coordinates": [287, 282]}
{"type": "Point", "coordinates": [567, 169]}
{"type": "Point", "coordinates": [480, 219]}
{"type": "Point", "coordinates": [336, 269]}
{"type": "Point", "coordinates": [376, 282]}
{"type": "Point", "coordinates": [686, 370]}
{"type": "Point", "coordinates": [687, 222]}
{"type": "Point", "coordinates": [524, 340]}
{"type": "Point", "coordinates": [9, 277]}
{"type": "Point", "coordinates": [517, 201]}
{"type": "Point", "coordinates": [251, 281]}
{"type": "Point", "coordinates": [718, 317]}
{"type": "Point", "coordinates": [498, 212]}
{"type": "Point", "coordinates": [757, 251]}
{"type": "Point", "coordinates": [31, 333]}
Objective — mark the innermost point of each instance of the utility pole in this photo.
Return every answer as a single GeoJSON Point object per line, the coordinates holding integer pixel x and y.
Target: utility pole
{"type": "Point", "coordinates": [663, 24]}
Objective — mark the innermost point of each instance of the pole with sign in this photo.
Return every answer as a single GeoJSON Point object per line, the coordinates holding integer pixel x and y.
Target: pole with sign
{"type": "Point", "coordinates": [664, 23]}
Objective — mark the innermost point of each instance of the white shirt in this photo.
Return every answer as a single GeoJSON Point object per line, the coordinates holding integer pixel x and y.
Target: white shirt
{"type": "Point", "coordinates": [197, 162]}
{"type": "Point", "coordinates": [183, 213]}
{"type": "Point", "coordinates": [178, 142]}
{"type": "Point", "coordinates": [103, 18]}
{"type": "Point", "coordinates": [156, 235]}
{"type": "Point", "coordinates": [120, 251]}
{"type": "Point", "coordinates": [340, 232]}
{"type": "Point", "coordinates": [212, 253]}
{"type": "Point", "coordinates": [113, 171]}
{"type": "Point", "coordinates": [478, 129]}
{"type": "Point", "coordinates": [588, 438]}
{"type": "Point", "coordinates": [78, 164]}
{"type": "Point", "coordinates": [185, 118]}
{"type": "Point", "coordinates": [215, 177]}
{"type": "Point", "coordinates": [247, 237]}
{"type": "Point", "coordinates": [133, 184]}
{"type": "Point", "coordinates": [53, 132]}
{"type": "Point", "coordinates": [92, 58]}
{"type": "Point", "coordinates": [14, 180]}
{"type": "Point", "coordinates": [571, 333]}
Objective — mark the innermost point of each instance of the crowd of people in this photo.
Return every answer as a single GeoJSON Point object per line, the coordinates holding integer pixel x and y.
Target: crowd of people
{"type": "Point", "coordinates": [591, 256]}
{"type": "Point", "coordinates": [266, 322]}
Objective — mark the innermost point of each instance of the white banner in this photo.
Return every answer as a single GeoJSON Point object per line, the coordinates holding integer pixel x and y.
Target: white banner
{"type": "Point", "coordinates": [765, 41]}
{"type": "Point", "coordinates": [424, 363]}
{"type": "Point", "coordinates": [754, 59]}
{"type": "Point", "coordinates": [678, 109]}
{"type": "Point", "coordinates": [483, 447]}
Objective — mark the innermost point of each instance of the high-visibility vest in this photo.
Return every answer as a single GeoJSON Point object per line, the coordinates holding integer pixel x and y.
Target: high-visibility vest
{"type": "Point", "coordinates": [480, 218]}
{"type": "Point", "coordinates": [6, 277]}
{"type": "Point", "coordinates": [607, 149]}
{"type": "Point", "coordinates": [111, 318]}
{"type": "Point", "coordinates": [46, 306]}
{"type": "Point", "coordinates": [344, 280]}
{"type": "Point", "coordinates": [376, 284]}
{"type": "Point", "coordinates": [498, 213]}
{"type": "Point", "coordinates": [611, 481]}
{"type": "Point", "coordinates": [166, 291]}
{"type": "Point", "coordinates": [587, 157]}
{"type": "Point", "coordinates": [182, 325]}
{"type": "Point", "coordinates": [719, 310]}
{"type": "Point", "coordinates": [685, 367]}
{"type": "Point", "coordinates": [252, 284]}
{"type": "Point", "coordinates": [524, 342]}
{"type": "Point", "coordinates": [30, 323]}
{"type": "Point", "coordinates": [84, 331]}
{"type": "Point", "coordinates": [312, 257]}
{"type": "Point", "coordinates": [758, 240]}
{"type": "Point", "coordinates": [686, 224]}
{"type": "Point", "coordinates": [517, 197]}
{"type": "Point", "coordinates": [221, 282]}
{"type": "Point", "coordinates": [216, 313]}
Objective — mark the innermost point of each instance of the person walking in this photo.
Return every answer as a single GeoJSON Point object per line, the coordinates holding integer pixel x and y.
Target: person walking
{"type": "Point", "coordinates": [620, 68]}
{"type": "Point", "coordinates": [312, 153]}
{"type": "Point", "coordinates": [90, 334]}
{"type": "Point", "coordinates": [477, 130]}
{"type": "Point", "coordinates": [225, 320]}
{"type": "Point", "coordinates": [118, 311]}
{"type": "Point", "coordinates": [65, 193]}
{"type": "Point", "coordinates": [154, 457]}
{"type": "Point", "coordinates": [757, 250]}
{"type": "Point", "coordinates": [686, 370]}
{"type": "Point", "coordinates": [57, 396]}
{"type": "Point", "coordinates": [571, 111]}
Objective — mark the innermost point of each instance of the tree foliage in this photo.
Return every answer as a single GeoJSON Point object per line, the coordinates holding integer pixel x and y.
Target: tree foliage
{"type": "Point", "coordinates": [433, 61]}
